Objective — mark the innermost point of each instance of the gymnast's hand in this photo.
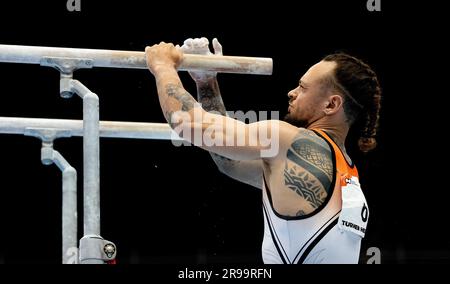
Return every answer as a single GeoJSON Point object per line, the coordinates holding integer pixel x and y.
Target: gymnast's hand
{"type": "Point", "coordinates": [201, 46]}
{"type": "Point", "coordinates": [163, 55]}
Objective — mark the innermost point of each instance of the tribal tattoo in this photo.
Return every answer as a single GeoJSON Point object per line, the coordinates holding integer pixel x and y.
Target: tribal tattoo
{"type": "Point", "coordinates": [309, 169]}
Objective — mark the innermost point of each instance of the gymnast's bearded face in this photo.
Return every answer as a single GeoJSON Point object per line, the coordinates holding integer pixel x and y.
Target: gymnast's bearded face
{"type": "Point", "coordinates": [309, 99]}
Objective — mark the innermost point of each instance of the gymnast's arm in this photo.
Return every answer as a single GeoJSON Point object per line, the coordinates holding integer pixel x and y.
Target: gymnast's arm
{"type": "Point", "coordinates": [208, 95]}
{"type": "Point", "coordinates": [188, 119]}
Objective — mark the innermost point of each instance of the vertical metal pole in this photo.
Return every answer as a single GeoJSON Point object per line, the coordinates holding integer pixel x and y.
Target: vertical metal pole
{"type": "Point", "coordinates": [91, 165]}
{"type": "Point", "coordinates": [91, 158]}
{"type": "Point", "coordinates": [69, 189]}
{"type": "Point", "coordinates": [69, 210]}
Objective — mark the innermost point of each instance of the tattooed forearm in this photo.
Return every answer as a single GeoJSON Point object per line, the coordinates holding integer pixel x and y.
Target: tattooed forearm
{"type": "Point", "coordinates": [208, 94]}
{"type": "Point", "coordinates": [185, 101]}
{"type": "Point", "coordinates": [249, 172]}
{"type": "Point", "coordinates": [213, 104]}
{"type": "Point", "coordinates": [181, 95]}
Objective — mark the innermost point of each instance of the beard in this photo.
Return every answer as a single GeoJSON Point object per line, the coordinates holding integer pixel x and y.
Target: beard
{"type": "Point", "coordinates": [289, 118]}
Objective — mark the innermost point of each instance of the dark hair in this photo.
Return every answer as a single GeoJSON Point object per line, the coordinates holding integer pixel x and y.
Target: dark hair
{"type": "Point", "coordinates": [361, 89]}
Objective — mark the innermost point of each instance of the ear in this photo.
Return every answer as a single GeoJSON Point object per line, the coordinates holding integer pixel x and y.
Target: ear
{"type": "Point", "coordinates": [334, 104]}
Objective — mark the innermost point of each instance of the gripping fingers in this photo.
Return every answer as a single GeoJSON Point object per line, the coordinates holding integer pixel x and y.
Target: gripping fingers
{"type": "Point", "coordinates": [196, 46]}
{"type": "Point", "coordinates": [217, 47]}
{"type": "Point", "coordinates": [187, 46]}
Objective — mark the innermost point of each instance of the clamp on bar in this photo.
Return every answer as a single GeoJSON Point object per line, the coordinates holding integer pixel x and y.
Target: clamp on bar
{"type": "Point", "coordinates": [66, 66]}
{"type": "Point", "coordinates": [94, 248]}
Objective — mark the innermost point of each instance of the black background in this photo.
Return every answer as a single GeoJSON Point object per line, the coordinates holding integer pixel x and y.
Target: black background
{"type": "Point", "coordinates": [166, 204]}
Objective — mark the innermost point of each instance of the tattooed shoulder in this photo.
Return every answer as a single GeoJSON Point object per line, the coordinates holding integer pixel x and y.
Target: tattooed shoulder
{"type": "Point", "coordinates": [309, 168]}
